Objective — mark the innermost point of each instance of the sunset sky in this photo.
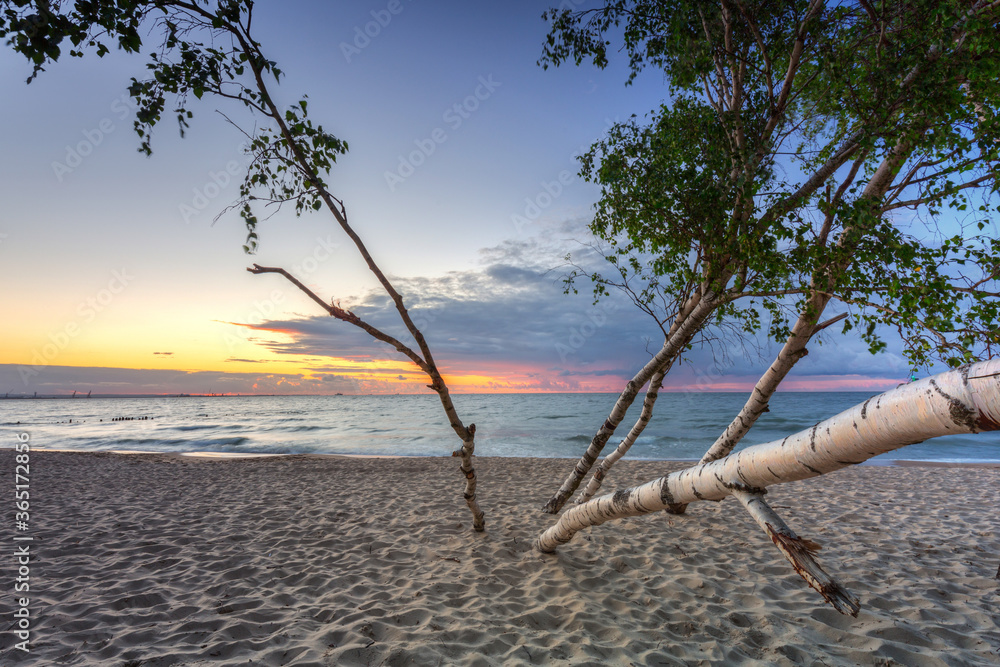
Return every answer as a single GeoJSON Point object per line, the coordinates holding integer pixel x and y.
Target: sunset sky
{"type": "Point", "coordinates": [116, 280]}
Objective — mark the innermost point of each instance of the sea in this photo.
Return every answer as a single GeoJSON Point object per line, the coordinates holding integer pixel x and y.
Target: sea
{"type": "Point", "coordinates": [684, 425]}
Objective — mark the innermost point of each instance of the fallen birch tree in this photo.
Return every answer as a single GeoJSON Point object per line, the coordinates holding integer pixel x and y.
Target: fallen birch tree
{"type": "Point", "coordinates": [965, 400]}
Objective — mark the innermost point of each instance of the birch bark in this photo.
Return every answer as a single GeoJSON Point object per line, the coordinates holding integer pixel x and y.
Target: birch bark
{"type": "Point", "coordinates": [966, 400]}
{"type": "Point", "coordinates": [756, 405]}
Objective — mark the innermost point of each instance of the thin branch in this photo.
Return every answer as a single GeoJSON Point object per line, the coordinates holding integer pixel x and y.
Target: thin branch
{"type": "Point", "coordinates": [830, 322]}
{"type": "Point", "coordinates": [345, 315]}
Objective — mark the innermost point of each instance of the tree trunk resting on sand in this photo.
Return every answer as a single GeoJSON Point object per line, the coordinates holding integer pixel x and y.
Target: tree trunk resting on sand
{"type": "Point", "coordinates": [966, 400]}
{"type": "Point", "coordinates": [465, 452]}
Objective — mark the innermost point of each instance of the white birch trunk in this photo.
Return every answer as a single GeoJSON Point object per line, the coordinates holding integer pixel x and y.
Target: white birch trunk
{"type": "Point", "coordinates": [672, 347]}
{"type": "Point", "coordinates": [966, 400]}
{"type": "Point", "coordinates": [640, 425]}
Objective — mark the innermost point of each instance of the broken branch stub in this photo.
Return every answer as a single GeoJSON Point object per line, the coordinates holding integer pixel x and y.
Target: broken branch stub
{"type": "Point", "coordinates": [798, 551]}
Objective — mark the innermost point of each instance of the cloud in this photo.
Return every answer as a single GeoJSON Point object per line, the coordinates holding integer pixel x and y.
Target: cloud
{"type": "Point", "coordinates": [509, 322]}
{"type": "Point", "coordinates": [504, 325]}
{"type": "Point", "coordinates": [508, 317]}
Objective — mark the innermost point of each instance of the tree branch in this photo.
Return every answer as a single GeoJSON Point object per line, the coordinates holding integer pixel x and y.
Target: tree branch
{"type": "Point", "coordinates": [345, 315]}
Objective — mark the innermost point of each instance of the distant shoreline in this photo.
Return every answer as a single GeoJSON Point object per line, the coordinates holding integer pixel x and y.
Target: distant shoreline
{"type": "Point", "coordinates": [25, 397]}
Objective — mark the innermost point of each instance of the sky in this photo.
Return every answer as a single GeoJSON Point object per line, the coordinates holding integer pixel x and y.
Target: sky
{"type": "Point", "coordinates": [121, 276]}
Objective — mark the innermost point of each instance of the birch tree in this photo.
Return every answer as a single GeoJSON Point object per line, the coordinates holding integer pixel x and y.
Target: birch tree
{"type": "Point", "coordinates": [965, 400]}
{"type": "Point", "coordinates": [207, 47]}
{"type": "Point", "coordinates": [801, 143]}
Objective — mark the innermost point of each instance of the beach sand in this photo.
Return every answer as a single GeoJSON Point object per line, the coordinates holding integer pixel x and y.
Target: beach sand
{"type": "Point", "coordinates": [168, 560]}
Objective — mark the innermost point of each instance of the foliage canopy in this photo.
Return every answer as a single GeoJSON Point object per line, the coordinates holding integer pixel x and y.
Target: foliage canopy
{"type": "Point", "coordinates": [808, 151]}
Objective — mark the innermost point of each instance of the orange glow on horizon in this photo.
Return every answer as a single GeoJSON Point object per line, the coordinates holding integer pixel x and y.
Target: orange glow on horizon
{"type": "Point", "coordinates": [259, 358]}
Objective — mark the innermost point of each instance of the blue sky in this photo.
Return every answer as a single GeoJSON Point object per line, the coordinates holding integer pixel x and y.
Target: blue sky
{"type": "Point", "coordinates": [88, 220]}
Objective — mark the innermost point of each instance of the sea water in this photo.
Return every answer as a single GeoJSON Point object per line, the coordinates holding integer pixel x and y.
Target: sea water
{"type": "Point", "coordinates": [533, 425]}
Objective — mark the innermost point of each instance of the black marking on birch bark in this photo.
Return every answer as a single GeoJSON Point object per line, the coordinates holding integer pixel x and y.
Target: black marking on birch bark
{"type": "Point", "coordinates": [809, 467]}
{"type": "Point", "coordinates": [960, 413]}
{"type": "Point", "coordinates": [620, 500]}
{"type": "Point", "coordinates": [746, 488]}
{"type": "Point", "coordinates": [864, 409]}
{"type": "Point", "coordinates": [696, 494]}
{"type": "Point", "coordinates": [776, 475]}
{"type": "Point", "coordinates": [666, 497]}
{"type": "Point", "coordinates": [784, 440]}
{"type": "Point", "coordinates": [964, 373]}
{"type": "Point", "coordinates": [849, 463]}
{"type": "Point", "coordinates": [742, 476]}
{"type": "Point", "coordinates": [812, 437]}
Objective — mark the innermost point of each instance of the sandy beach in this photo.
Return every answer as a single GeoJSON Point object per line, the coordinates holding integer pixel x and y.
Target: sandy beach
{"type": "Point", "coordinates": [155, 560]}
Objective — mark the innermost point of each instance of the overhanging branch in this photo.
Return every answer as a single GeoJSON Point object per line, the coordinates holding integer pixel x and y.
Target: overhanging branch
{"type": "Point", "coordinates": [345, 315]}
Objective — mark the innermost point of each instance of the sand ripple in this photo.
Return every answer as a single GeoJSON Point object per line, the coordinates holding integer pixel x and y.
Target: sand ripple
{"type": "Point", "coordinates": [162, 560]}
